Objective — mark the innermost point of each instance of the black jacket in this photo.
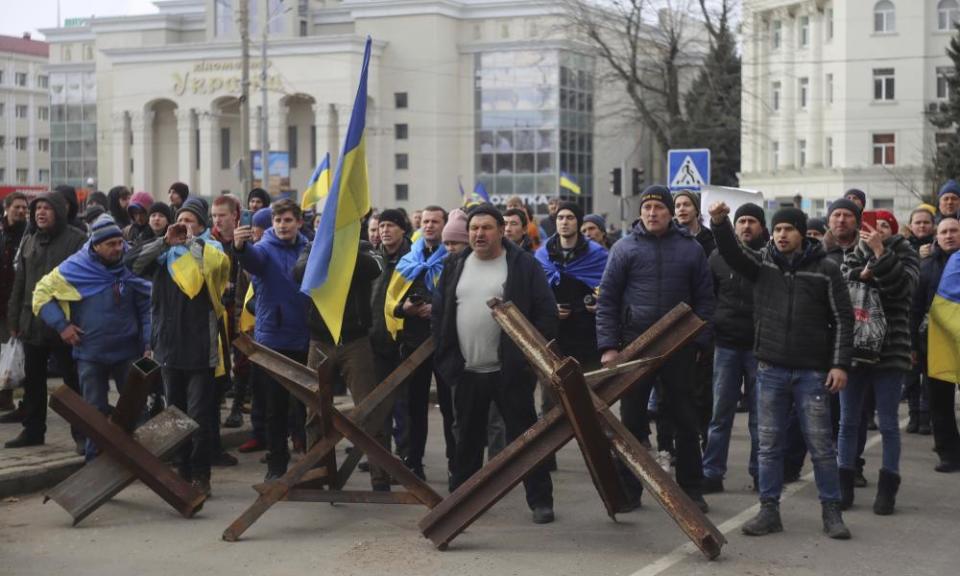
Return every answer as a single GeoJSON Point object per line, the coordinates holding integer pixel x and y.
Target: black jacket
{"type": "Point", "coordinates": [356, 314]}
{"type": "Point", "coordinates": [526, 287]}
{"type": "Point", "coordinates": [380, 338]}
{"type": "Point", "coordinates": [706, 240]}
{"type": "Point", "coordinates": [931, 269]}
{"type": "Point", "coordinates": [10, 237]}
{"type": "Point", "coordinates": [733, 316]}
{"type": "Point", "coordinates": [577, 335]}
{"type": "Point", "coordinates": [802, 314]}
{"type": "Point", "coordinates": [416, 330]}
{"type": "Point", "coordinates": [895, 274]}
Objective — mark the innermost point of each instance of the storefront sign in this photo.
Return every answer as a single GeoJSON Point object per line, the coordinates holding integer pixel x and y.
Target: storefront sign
{"type": "Point", "coordinates": [217, 77]}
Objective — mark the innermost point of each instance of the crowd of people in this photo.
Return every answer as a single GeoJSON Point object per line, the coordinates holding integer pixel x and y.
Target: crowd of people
{"type": "Point", "coordinates": [90, 293]}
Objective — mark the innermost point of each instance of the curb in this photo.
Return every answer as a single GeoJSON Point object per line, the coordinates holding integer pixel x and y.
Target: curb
{"type": "Point", "coordinates": [26, 479]}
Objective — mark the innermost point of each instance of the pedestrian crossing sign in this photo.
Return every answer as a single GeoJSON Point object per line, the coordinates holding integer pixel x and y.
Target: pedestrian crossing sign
{"type": "Point", "coordinates": [688, 169]}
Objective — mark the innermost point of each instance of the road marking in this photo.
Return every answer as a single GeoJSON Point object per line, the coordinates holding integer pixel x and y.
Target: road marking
{"type": "Point", "coordinates": [684, 551]}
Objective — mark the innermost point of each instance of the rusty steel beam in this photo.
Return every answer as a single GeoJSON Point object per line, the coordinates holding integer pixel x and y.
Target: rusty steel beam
{"type": "Point", "coordinates": [482, 490]}
{"type": "Point", "coordinates": [142, 377]}
{"type": "Point", "coordinates": [112, 440]}
{"type": "Point", "coordinates": [351, 497]}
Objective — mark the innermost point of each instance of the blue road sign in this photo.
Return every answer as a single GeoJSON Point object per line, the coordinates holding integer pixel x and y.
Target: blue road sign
{"type": "Point", "coordinates": [688, 169]}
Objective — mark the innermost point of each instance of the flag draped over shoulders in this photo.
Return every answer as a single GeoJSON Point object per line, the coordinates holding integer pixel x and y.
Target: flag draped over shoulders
{"type": "Point", "coordinates": [410, 266]}
{"type": "Point", "coordinates": [943, 337]}
{"type": "Point", "coordinates": [588, 268]}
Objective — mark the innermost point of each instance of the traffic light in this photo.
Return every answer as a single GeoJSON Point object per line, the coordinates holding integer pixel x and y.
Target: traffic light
{"type": "Point", "coordinates": [616, 179]}
{"type": "Point", "coordinates": [638, 181]}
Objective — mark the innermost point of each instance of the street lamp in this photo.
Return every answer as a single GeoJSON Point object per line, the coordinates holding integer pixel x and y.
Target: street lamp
{"type": "Point", "coordinates": [268, 18]}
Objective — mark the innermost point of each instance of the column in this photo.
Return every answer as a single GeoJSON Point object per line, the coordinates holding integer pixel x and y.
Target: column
{"type": "Point", "coordinates": [278, 121]}
{"type": "Point", "coordinates": [141, 124]}
{"type": "Point", "coordinates": [790, 84]}
{"type": "Point", "coordinates": [205, 183]}
{"type": "Point", "coordinates": [333, 133]}
{"type": "Point", "coordinates": [815, 131]}
{"type": "Point", "coordinates": [120, 137]}
{"type": "Point", "coordinates": [186, 133]}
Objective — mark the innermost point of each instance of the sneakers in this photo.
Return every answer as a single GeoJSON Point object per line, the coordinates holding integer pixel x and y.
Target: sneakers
{"type": "Point", "coordinates": [202, 483]}
{"type": "Point", "coordinates": [543, 515]}
{"type": "Point", "coordinates": [700, 502]}
{"type": "Point", "coordinates": [887, 488]}
{"type": "Point", "coordinates": [251, 445]}
{"type": "Point", "coordinates": [381, 486]}
{"type": "Point", "coordinates": [913, 426]}
{"type": "Point", "coordinates": [234, 419]}
{"type": "Point", "coordinates": [833, 525]}
{"type": "Point", "coordinates": [948, 466]}
{"type": "Point", "coordinates": [712, 485]}
{"type": "Point", "coordinates": [767, 520]}
{"type": "Point", "coordinates": [23, 440]}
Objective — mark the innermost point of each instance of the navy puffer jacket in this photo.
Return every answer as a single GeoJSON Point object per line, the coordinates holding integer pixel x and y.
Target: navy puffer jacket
{"type": "Point", "coordinates": [646, 277]}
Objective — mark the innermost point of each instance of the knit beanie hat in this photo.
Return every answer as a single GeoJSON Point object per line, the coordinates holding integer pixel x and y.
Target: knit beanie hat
{"type": "Point", "coordinates": [104, 228]}
{"type": "Point", "coordinates": [197, 207]}
{"type": "Point", "coordinates": [181, 189]}
{"type": "Point", "coordinates": [263, 218]}
{"type": "Point", "coordinates": [261, 194]}
{"type": "Point", "coordinates": [846, 205]}
{"type": "Point", "coordinates": [949, 187]}
{"type": "Point", "coordinates": [93, 212]}
{"type": "Point", "coordinates": [397, 217]}
{"type": "Point", "coordinates": [693, 196]}
{"type": "Point", "coordinates": [890, 219]}
{"type": "Point", "coordinates": [456, 228]}
{"type": "Point", "coordinates": [487, 209]}
{"type": "Point", "coordinates": [140, 200]}
{"type": "Point", "coordinates": [860, 194]}
{"type": "Point", "coordinates": [792, 216]}
{"type": "Point", "coordinates": [929, 208]}
{"type": "Point", "coordinates": [818, 224]}
{"type": "Point", "coordinates": [573, 207]}
{"type": "Point", "coordinates": [751, 209]}
{"type": "Point", "coordinates": [162, 208]}
{"type": "Point", "coordinates": [597, 220]}
{"type": "Point", "coordinates": [659, 193]}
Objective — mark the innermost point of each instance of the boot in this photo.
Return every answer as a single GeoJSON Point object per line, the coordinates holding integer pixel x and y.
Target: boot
{"type": "Point", "coordinates": [914, 423]}
{"type": "Point", "coordinates": [887, 488]}
{"type": "Point", "coordinates": [235, 418]}
{"type": "Point", "coordinates": [923, 427]}
{"type": "Point", "coordinates": [860, 481]}
{"type": "Point", "coordinates": [6, 400]}
{"type": "Point", "coordinates": [847, 478]}
{"type": "Point", "coordinates": [13, 417]}
{"type": "Point", "coordinates": [767, 521]}
{"type": "Point", "coordinates": [833, 525]}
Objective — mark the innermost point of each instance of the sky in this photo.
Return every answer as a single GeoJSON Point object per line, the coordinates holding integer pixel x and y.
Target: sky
{"type": "Point", "coordinates": [21, 16]}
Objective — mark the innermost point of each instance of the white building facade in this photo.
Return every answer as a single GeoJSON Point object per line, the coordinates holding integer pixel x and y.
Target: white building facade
{"type": "Point", "coordinates": [836, 95]}
{"type": "Point", "coordinates": [459, 90]}
{"type": "Point", "coordinates": [24, 114]}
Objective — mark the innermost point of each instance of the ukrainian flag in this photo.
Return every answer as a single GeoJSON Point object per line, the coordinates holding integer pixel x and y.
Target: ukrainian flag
{"type": "Point", "coordinates": [567, 182]}
{"type": "Point", "coordinates": [943, 336]}
{"type": "Point", "coordinates": [334, 255]}
{"type": "Point", "coordinates": [318, 186]}
{"type": "Point", "coordinates": [478, 196]}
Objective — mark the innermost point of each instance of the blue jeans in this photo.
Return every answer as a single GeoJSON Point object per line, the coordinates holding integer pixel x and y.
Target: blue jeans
{"type": "Point", "coordinates": [886, 385]}
{"type": "Point", "coordinates": [95, 383]}
{"type": "Point", "coordinates": [730, 368]}
{"type": "Point", "coordinates": [777, 389]}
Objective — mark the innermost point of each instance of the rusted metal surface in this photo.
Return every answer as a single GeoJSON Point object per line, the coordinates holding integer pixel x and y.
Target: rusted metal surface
{"type": "Point", "coordinates": [351, 497]}
{"type": "Point", "coordinates": [300, 381]}
{"type": "Point", "coordinates": [445, 521]}
{"type": "Point", "coordinates": [144, 374]}
{"type": "Point", "coordinates": [123, 448]}
{"type": "Point", "coordinates": [103, 478]}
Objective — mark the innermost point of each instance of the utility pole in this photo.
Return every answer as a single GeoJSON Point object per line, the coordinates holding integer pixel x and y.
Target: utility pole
{"type": "Point", "coordinates": [245, 177]}
{"type": "Point", "coordinates": [265, 126]}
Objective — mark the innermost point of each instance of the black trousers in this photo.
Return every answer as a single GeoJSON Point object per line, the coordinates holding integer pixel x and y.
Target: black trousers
{"type": "Point", "coordinates": [35, 360]}
{"type": "Point", "coordinates": [385, 360]}
{"type": "Point", "coordinates": [678, 378]}
{"type": "Point", "coordinates": [417, 390]}
{"type": "Point", "coordinates": [472, 394]}
{"type": "Point", "coordinates": [445, 400]}
{"type": "Point", "coordinates": [278, 410]}
{"type": "Point", "coordinates": [946, 438]}
{"type": "Point", "coordinates": [192, 391]}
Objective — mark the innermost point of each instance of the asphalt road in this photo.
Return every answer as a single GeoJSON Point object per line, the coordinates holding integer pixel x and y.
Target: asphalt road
{"type": "Point", "coordinates": [137, 533]}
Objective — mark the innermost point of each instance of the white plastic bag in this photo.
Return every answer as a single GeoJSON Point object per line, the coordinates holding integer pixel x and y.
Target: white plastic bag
{"type": "Point", "coordinates": [11, 364]}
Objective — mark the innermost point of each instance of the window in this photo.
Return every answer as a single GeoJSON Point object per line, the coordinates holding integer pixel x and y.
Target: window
{"type": "Point", "coordinates": [804, 31]}
{"type": "Point", "coordinates": [67, 53]}
{"type": "Point", "coordinates": [3, 143]}
{"type": "Point", "coordinates": [20, 79]}
{"type": "Point", "coordinates": [1, 77]}
{"type": "Point", "coordinates": [224, 148]}
{"type": "Point", "coordinates": [292, 146]}
{"type": "Point", "coordinates": [775, 37]}
{"type": "Point", "coordinates": [829, 18]}
{"type": "Point", "coordinates": [803, 97]}
{"type": "Point", "coordinates": [22, 110]}
{"type": "Point", "coordinates": [313, 145]}
{"type": "Point", "coordinates": [43, 145]}
{"type": "Point", "coordinates": [3, 174]}
{"type": "Point", "coordinates": [801, 153]}
{"type": "Point", "coordinates": [775, 96]}
{"type": "Point", "coordinates": [400, 99]}
{"type": "Point", "coordinates": [401, 192]}
{"type": "Point", "coordinates": [21, 142]}
{"type": "Point", "coordinates": [948, 13]}
{"type": "Point", "coordinates": [3, 109]}
{"type": "Point", "coordinates": [22, 175]}
{"type": "Point", "coordinates": [43, 112]}
{"type": "Point", "coordinates": [884, 149]}
{"type": "Point", "coordinates": [883, 83]}
{"type": "Point", "coordinates": [87, 52]}
{"type": "Point", "coordinates": [774, 155]}
{"type": "Point", "coordinates": [884, 20]}
{"type": "Point", "coordinates": [43, 81]}
{"type": "Point", "coordinates": [401, 161]}
{"type": "Point", "coordinates": [43, 176]}
{"type": "Point", "coordinates": [883, 204]}
{"type": "Point", "coordinates": [400, 131]}
{"type": "Point", "coordinates": [943, 81]}
{"type": "Point", "coordinates": [828, 89]}
{"type": "Point", "coordinates": [828, 152]}
{"type": "Point", "coordinates": [303, 28]}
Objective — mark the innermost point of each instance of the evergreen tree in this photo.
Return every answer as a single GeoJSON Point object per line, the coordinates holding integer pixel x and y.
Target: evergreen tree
{"type": "Point", "coordinates": [946, 161]}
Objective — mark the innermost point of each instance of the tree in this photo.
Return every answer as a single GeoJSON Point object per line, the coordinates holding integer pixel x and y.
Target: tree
{"type": "Point", "coordinates": [713, 101]}
{"type": "Point", "coordinates": [946, 163]}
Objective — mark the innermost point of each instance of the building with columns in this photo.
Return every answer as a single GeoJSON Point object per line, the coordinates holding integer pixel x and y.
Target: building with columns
{"type": "Point", "coordinates": [836, 95]}
{"type": "Point", "coordinates": [459, 90]}
{"type": "Point", "coordinates": [24, 115]}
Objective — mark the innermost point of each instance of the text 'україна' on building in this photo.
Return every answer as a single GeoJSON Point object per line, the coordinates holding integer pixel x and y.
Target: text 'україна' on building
{"type": "Point", "coordinates": [24, 115]}
{"type": "Point", "coordinates": [836, 94]}
{"type": "Point", "coordinates": [494, 91]}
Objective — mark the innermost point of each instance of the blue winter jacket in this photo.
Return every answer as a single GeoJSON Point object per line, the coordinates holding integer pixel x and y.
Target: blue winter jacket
{"type": "Point", "coordinates": [646, 277]}
{"type": "Point", "coordinates": [282, 310]}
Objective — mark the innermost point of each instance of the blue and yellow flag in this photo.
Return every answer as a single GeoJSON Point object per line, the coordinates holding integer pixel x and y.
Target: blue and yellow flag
{"type": "Point", "coordinates": [568, 183]}
{"type": "Point", "coordinates": [318, 186]}
{"type": "Point", "coordinates": [943, 336]}
{"type": "Point", "coordinates": [334, 255]}
{"type": "Point", "coordinates": [478, 196]}
{"type": "Point", "coordinates": [413, 263]}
